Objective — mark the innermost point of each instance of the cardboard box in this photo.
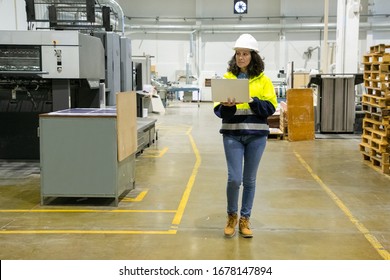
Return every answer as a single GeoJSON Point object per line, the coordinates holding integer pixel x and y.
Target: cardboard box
{"type": "Point", "coordinates": [300, 114]}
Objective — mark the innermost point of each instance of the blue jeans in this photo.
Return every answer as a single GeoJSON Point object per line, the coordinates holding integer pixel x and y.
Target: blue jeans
{"type": "Point", "coordinates": [243, 155]}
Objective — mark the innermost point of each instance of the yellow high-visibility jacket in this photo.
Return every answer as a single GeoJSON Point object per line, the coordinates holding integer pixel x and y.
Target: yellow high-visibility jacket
{"type": "Point", "coordinates": [249, 118]}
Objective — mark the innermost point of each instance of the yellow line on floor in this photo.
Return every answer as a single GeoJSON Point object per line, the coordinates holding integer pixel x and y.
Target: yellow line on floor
{"type": "Point", "coordinates": [370, 238]}
{"type": "Point", "coordinates": [158, 232]}
{"type": "Point", "coordinates": [82, 211]}
{"type": "Point", "coordinates": [157, 154]}
{"type": "Point", "coordinates": [139, 197]}
{"type": "Point", "coordinates": [176, 220]}
{"type": "Point", "coordinates": [183, 202]}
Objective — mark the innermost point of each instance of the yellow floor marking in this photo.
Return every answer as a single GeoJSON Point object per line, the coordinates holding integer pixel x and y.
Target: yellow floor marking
{"type": "Point", "coordinates": [83, 211]}
{"type": "Point", "coordinates": [370, 238]}
{"type": "Point", "coordinates": [154, 154]}
{"type": "Point", "coordinates": [139, 197]}
{"type": "Point", "coordinates": [190, 183]}
{"type": "Point", "coordinates": [176, 220]}
{"type": "Point", "coordinates": [89, 232]}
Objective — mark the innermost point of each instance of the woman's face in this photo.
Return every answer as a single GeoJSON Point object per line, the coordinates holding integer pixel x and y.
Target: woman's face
{"type": "Point", "coordinates": [243, 58]}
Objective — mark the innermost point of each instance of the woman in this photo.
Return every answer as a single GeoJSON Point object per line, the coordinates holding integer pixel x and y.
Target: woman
{"type": "Point", "coordinates": [245, 130]}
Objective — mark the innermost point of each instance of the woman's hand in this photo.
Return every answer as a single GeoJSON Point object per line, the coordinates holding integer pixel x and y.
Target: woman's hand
{"type": "Point", "coordinates": [230, 102]}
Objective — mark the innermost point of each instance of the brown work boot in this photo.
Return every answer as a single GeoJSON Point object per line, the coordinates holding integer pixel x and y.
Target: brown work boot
{"type": "Point", "coordinates": [244, 229]}
{"type": "Point", "coordinates": [230, 229]}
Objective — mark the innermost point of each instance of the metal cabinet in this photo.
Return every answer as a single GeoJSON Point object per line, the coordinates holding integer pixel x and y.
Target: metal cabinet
{"type": "Point", "coordinates": [79, 156]}
{"type": "Point", "coordinates": [336, 103]}
{"type": "Point", "coordinates": [146, 133]}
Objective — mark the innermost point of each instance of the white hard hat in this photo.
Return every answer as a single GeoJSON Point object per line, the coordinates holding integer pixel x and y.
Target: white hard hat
{"type": "Point", "coordinates": [246, 41]}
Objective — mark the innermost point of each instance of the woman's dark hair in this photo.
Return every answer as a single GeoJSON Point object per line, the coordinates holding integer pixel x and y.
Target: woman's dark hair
{"type": "Point", "coordinates": [255, 67]}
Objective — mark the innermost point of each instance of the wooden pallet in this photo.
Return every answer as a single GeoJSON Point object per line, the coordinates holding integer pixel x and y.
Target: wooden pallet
{"type": "Point", "coordinates": [283, 125]}
{"type": "Point", "coordinates": [384, 68]}
{"type": "Point", "coordinates": [376, 76]}
{"type": "Point", "coordinates": [276, 133]}
{"type": "Point", "coordinates": [378, 124]}
{"type": "Point", "coordinates": [381, 119]}
{"type": "Point", "coordinates": [367, 149]}
{"type": "Point", "coordinates": [376, 58]}
{"type": "Point", "coordinates": [385, 93]}
{"type": "Point", "coordinates": [378, 163]}
{"type": "Point", "coordinates": [381, 48]}
{"type": "Point", "coordinates": [377, 101]}
{"type": "Point", "coordinates": [379, 85]}
{"type": "Point", "coordinates": [375, 144]}
{"type": "Point", "coordinates": [377, 67]}
{"type": "Point", "coordinates": [376, 110]}
{"type": "Point", "coordinates": [377, 134]}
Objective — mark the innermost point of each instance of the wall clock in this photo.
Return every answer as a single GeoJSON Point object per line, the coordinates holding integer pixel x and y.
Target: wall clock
{"type": "Point", "coordinates": [240, 6]}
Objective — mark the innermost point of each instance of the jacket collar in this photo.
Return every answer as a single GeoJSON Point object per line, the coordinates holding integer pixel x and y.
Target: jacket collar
{"type": "Point", "coordinates": [230, 75]}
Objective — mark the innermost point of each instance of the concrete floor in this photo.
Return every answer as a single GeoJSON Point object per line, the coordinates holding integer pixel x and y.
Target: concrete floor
{"type": "Point", "coordinates": [315, 200]}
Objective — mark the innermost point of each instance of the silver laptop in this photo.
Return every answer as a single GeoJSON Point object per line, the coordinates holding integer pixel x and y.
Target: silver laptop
{"type": "Point", "coordinates": [222, 89]}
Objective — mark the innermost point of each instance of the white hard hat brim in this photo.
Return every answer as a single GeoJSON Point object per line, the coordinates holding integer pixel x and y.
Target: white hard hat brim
{"type": "Point", "coordinates": [245, 48]}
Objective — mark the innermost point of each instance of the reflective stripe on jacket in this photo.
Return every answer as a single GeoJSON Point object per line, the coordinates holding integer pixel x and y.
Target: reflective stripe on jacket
{"type": "Point", "coordinates": [249, 118]}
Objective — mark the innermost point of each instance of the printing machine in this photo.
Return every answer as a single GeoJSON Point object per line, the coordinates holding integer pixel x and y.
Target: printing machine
{"type": "Point", "coordinates": [46, 71]}
{"type": "Point", "coordinates": [40, 72]}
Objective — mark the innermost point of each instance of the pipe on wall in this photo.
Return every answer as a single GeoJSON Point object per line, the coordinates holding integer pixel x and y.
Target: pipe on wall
{"type": "Point", "coordinates": [117, 8]}
{"type": "Point", "coordinates": [222, 28]}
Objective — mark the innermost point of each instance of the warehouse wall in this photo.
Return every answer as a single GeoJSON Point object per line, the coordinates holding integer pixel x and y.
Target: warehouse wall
{"type": "Point", "coordinates": [171, 51]}
{"type": "Point", "coordinates": [214, 49]}
{"type": "Point", "coordinates": [211, 50]}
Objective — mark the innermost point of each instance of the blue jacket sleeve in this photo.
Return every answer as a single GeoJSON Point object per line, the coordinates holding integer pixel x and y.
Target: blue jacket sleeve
{"type": "Point", "coordinates": [224, 112]}
{"type": "Point", "coordinates": [262, 108]}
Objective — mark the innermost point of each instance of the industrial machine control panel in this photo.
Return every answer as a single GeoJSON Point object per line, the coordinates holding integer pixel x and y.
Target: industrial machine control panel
{"type": "Point", "coordinates": [52, 54]}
